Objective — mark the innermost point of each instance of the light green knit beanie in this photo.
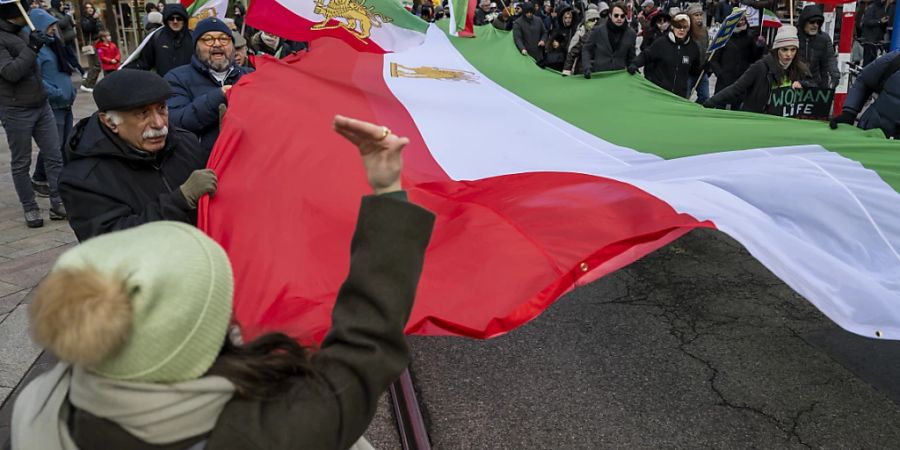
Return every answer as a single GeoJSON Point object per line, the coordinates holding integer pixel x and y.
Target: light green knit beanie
{"type": "Point", "coordinates": [150, 304]}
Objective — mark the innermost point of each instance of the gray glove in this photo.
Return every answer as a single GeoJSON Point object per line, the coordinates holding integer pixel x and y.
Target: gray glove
{"type": "Point", "coordinates": [200, 183]}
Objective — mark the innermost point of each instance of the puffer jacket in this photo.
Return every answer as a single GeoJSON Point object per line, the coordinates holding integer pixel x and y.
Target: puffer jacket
{"type": "Point", "coordinates": [885, 112]}
{"type": "Point", "coordinates": [753, 89]}
{"type": "Point", "coordinates": [817, 51]}
{"type": "Point", "coordinates": [20, 77]}
{"type": "Point", "coordinates": [167, 49]}
{"type": "Point", "coordinates": [669, 64]}
{"type": "Point", "coordinates": [194, 104]}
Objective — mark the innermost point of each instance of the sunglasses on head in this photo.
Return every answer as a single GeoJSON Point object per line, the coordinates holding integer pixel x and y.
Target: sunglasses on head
{"type": "Point", "coordinates": [618, 16]}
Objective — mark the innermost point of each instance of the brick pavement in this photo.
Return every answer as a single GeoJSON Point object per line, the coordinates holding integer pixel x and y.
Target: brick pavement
{"type": "Point", "coordinates": [25, 257]}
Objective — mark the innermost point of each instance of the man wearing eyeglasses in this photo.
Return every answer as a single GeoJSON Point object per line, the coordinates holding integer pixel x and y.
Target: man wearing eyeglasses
{"type": "Point", "coordinates": [199, 88]}
{"type": "Point", "coordinates": [171, 46]}
{"type": "Point", "coordinates": [816, 49]}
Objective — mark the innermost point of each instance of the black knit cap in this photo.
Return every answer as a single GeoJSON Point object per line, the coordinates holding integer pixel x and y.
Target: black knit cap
{"type": "Point", "coordinates": [130, 88]}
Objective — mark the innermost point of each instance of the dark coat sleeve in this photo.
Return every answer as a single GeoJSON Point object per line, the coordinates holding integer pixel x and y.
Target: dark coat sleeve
{"type": "Point", "coordinates": [363, 353]}
{"type": "Point", "coordinates": [195, 114]}
{"type": "Point", "coordinates": [866, 84]}
{"type": "Point", "coordinates": [587, 50]}
{"type": "Point", "coordinates": [147, 59]}
{"type": "Point", "coordinates": [831, 64]}
{"type": "Point", "coordinates": [629, 56]}
{"type": "Point", "coordinates": [93, 211]}
{"type": "Point", "coordinates": [739, 89]}
{"type": "Point", "coordinates": [644, 58]}
{"type": "Point", "coordinates": [574, 54]}
{"type": "Point", "coordinates": [518, 37]}
{"type": "Point", "coordinates": [14, 68]}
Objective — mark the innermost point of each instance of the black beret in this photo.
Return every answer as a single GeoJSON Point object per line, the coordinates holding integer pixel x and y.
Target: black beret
{"type": "Point", "coordinates": [130, 88]}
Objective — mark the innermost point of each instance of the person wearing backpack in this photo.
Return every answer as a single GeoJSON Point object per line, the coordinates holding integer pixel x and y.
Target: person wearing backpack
{"type": "Point", "coordinates": [881, 77]}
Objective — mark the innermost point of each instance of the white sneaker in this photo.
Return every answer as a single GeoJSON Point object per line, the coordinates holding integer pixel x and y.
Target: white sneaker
{"type": "Point", "coordinates": [86, 89]}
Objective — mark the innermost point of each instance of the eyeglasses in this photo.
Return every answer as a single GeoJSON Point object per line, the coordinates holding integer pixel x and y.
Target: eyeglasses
{"type": "Point", "coordinates": [593, 20]}
{"type": "Point", "coordinates": [680, 27]}
{"type": "Point", "coordinates": [816, 22]}
{"type": "Point", "coordinates": [176, 19]}
{"type": "Point", "coordinates": [618, 16]}
{"type": "Point", "coordinates": [212, 40]}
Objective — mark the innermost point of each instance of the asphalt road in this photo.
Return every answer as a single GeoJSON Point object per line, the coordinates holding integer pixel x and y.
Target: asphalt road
{"type": "Point", "coordinates": [695, 346]}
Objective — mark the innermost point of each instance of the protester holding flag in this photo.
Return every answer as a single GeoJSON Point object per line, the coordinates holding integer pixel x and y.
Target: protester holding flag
{"type": "Point", "coordinates": [140, 320]}
{"type": "Point", "coordinates": [56, 74]}
{"type": "Point", "coordinates": [170, 47]}
{"type": "Point", "coordinates": [529, 33]}
{"type": "Point", "coordinates": [671, 60]}
{"type": "Point", "coordinates": [882, 77]}
{"type": "Point", "coordinates": [25, 113]}
{"type": "Point", "coordinates": [816, 48]}
{"type": "Point", "coordinates": [609, 47]}
{"type": "Point", "coordinates": [199, 88]}
{"type": "Point", "coordinates": [732, 60]}
{"type": "Point", "coordinates": [780, 68]}
{"type": "Point", "coordinates": [127, 166]}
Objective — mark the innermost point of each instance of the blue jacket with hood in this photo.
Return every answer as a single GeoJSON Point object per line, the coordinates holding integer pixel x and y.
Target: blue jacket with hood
{"type": "Point", "coordinates": [57, 83]}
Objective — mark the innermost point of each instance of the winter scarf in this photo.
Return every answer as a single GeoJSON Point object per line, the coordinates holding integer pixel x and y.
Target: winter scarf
{"type": "Point", "coordinates": [615, 34]}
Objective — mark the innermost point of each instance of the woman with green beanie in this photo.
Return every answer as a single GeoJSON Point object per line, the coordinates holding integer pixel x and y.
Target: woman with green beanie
{"type": "Point", "coordinates": [140, 319]}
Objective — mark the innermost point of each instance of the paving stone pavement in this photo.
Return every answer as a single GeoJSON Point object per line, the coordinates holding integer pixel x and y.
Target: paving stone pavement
{"type": "Point", "coordinates": [25, 257]}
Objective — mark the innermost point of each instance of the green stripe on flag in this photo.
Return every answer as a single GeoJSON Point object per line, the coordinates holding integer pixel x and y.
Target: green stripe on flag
{"type": "Point", "coordinates": [633, 112]}
{"type": "Point", "coordinates": [398, 15]}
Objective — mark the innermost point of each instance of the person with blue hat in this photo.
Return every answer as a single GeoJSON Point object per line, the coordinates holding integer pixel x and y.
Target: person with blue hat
{"type": "Point", "coordinates": [199, 88]}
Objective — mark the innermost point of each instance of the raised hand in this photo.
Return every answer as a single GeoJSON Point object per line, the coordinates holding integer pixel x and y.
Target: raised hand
{"type": "Point", "coordinates": [380, 151]}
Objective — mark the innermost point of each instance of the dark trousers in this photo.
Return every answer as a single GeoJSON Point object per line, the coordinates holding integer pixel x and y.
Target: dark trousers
{"type": "Point", "coordinates": [93, 72]}
{"type": "Point", "coordinates": [63, 117]}
{"type": "Point", "coordinates": [21, 125]}
{"type": "Point", "coordinates": [72, 56]}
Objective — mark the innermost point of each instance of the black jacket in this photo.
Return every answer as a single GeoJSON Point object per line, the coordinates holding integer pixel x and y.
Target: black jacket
{"type": "Point", "coordinates": [194, 104]}
{"type": "Point", "coordinates": [527, 33]}
{"type": "Point", "coordinates": [732, 60]}
{"type": "Point", "coordinates": [753, 89]}
{"type": "Point", "coordinates": [20, 77]}
{"type": "Point", "coordinates": [167, 49]}
{"type": "Point", "coordinates": [90, 28]}
{"type": "Point", "coordinates": [884, 113]}
{"type": "Point", "coordinates": [597, 54]}
{"type": "Point", "coordinates": [872, 26]}
{"type": "Point", "coordinates": [817, 51]}
{"type": "Point", "coordinates": [364, 352]}
{"type": "Point", "coordinates": [108, 186]}
{"type": "Point", "coordinates": [669, 65]}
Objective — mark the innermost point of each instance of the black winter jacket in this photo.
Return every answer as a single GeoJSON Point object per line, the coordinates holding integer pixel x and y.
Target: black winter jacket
{"type": "Point", "coordinates": [872, 26]}
{"type": "Point", "coordinates": [90, 28]}
{"type": "Point", "coordinates": [194, 104]}
{"type": "Point", "coordinates": [732, 60]}
{"type": "Point", "coordinates": [753, 89]}
{"type": "Point", "coordinates": [817, 51]}
{"type": "Point", "coordinates": [66, 24]}
{"type": "Point", "coordinates": [167, 49]}
{"type": "Point", "coordinates": [597, 54]}
{"type": "Point", "coordinates": [885, 112]}
{"type": "Point", "coordinates": [527, 33]}
{"type": "Point", "coordinates": [20, 77]}
{"type": "Point", "coordinates": [669, 65]}
{"type": "Point", "coordinates": [108, 186]}
{"type": "Point", "coordinates": [363, 353]}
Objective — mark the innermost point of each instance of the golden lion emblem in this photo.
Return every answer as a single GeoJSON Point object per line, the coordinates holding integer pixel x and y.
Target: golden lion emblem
{"type": "Point", "coordinates": [437, 73]}
{"type": "Point", "coordinates": [358, 19]}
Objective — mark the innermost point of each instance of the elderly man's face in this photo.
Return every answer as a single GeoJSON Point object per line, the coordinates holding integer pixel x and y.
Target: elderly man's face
{"type": "Point", "coordinates": [216, 50]}
{"type": "Point", "coordinates": [240, 56]}
{"type": "Point", "coordinates": [144, 128]}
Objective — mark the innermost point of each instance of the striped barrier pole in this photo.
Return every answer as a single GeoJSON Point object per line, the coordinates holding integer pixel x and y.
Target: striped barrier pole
{"type": "Point", "coordinates": [848, 26]}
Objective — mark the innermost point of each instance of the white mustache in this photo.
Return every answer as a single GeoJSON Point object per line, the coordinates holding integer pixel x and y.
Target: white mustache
{"type": "Point", "coordinates": [153, 133]}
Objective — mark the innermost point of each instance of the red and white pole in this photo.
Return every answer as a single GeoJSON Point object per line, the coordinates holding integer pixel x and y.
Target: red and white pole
{"type": "Point", "coordinates": [848, 27]}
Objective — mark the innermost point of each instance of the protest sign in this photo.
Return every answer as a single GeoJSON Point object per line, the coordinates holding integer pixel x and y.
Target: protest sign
{"type": "Point", "coordinates": [809, 103]}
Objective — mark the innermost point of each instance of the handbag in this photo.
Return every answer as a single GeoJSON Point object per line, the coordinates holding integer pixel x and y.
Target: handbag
{"type": "Point", "coordinates": [88, 50]}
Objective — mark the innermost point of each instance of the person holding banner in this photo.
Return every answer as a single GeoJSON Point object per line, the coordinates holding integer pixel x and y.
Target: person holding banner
{"type": "Point", "coordinates": [25, 112]}
{"type": "Point", "coordinates": [780, 68]}
{"type": "Point", "coordinates": [671, 60]}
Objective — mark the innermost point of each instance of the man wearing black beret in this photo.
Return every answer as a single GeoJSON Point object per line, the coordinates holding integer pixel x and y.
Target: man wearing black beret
{"type": "Point", "coordinates": [200, 87]}
{"type": "Point", "coordinates": [126, 167]}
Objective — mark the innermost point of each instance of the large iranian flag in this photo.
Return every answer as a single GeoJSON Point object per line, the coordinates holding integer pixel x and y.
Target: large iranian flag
{"type": "Point", "coordinates": [540, 184]}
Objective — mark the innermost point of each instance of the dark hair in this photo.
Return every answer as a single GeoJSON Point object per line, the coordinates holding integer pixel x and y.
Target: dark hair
{"type": "Point", "coordinates": [619, 5]}
{"type": "Point", "coordinates": [797, 71]}
{"type": "Point", "coordinates": [264, 368]}
{"type": "Point", "coordinates": [150, 7]}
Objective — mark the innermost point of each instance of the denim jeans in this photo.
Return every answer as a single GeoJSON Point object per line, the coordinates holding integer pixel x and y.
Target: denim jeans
{"type": "Point", "coordinates": [702, 88]}
{"type": "Point", "coordinates": [22, 124]}
{"type": "Point", "coordinates": [64, 130]}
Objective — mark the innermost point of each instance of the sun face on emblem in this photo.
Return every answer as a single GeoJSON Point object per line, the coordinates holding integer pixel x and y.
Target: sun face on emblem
{"type": "Point", "coordinates": [437, 73]}
{"type": "Point", "coordinates": [353, 16]}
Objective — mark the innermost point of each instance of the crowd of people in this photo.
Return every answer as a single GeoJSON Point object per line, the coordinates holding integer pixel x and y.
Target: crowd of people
{"type": "Point", "coordinates": [129, 179]}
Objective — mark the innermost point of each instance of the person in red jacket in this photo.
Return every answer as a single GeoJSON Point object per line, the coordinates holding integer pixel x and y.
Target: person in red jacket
{"type": "Point", "coordinates": [108, 52]}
